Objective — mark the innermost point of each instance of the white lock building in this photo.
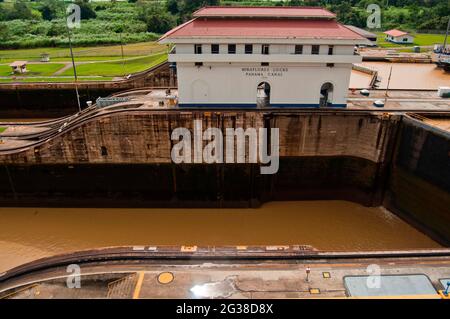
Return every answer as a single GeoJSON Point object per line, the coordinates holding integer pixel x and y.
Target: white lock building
{"type": "Point", "coordinates": [263, 56]}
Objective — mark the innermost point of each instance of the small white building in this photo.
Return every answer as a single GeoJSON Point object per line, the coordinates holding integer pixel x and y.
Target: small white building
{"type": "Point", "coordinates": [19, 67]}
{"type": "Point", "coordinates": [263, 56]}
{"type": "Point", "coordinates": [399, 37]}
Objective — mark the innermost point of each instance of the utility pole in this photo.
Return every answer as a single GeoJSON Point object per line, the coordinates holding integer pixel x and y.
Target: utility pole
{"type": "Point", "coordinates": [73, 62]}
{"type": "Point", "coordinates": [74, 69]}
{"type": "Point", "coordinates": [123, 58]}
{"type": "Point", "coordinates": [119, 30]}
{"type": "Point", "coordinates": [387, 86]}
{"type": "Point", "coordinates": [446, 34]}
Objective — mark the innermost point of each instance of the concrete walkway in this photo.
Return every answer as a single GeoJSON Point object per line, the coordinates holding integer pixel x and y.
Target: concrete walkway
{"type": "Point", "coordinates": [215, 279]}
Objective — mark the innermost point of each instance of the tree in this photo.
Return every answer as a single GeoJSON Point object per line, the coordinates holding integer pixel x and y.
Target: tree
{"type": "Point", "coordinates": [294, 3]}
{"type": "Point", "coordinates": [86, 9]}
{"type": "Point", "coordinates": [172, 6]}
{"type": "Point", "coordinates": [3, 31]}
{"type": "Point", "coordinates": [187, 7]}
{"type": "Point", "coordinates": [156, 19]}
{"type": "Point", "coordinates": [20, 10]}
{"type": "Point", "coordinates": [49, 9]}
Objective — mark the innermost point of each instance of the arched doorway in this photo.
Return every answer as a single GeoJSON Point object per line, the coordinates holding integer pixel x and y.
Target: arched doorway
{"type": "Point", "coordinates": [326, 95]}
{"type": "Point", "coordinates": [263, 94]}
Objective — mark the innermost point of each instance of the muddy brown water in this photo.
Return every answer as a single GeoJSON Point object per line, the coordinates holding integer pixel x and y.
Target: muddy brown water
{"type": "Point", "coordinates": [404, 76]}
{"type": "Point", "coordinates": [28, 234]}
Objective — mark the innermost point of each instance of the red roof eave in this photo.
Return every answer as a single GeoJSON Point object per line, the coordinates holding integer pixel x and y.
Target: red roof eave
{"type": "Point", "coordinates": [263, 11]}
{"type": "Point", "coordinates": [395, 33]}
{"type": "Point", "coordinates": [262, 28]}
{"type": "Point", "coordinates": [169, 33]}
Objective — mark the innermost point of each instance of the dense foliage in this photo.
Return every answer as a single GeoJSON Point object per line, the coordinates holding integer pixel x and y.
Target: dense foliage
{"type": "Point", "coordinates": [411, 15]}
{"type": "Point", "coordinates": [42, 22]}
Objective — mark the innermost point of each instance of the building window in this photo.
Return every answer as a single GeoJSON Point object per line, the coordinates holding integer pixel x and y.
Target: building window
{"type": "Point", "coordinates": [249, 49]}
{"type": "Point", "coordinates": [330, 50]}
{"type": "Point", "coordinates": [198, 64]}
{"type": "Point", "coordinates": [265, 49]}
{"type": "Point", "coordinates": [405, 39]}
{"type": "Point", "coordinates": [104, 151]}
{"type": "Point", "coordinates": [232, 49]}
{"type": "Point", "coordinates": [214, 48]}
{"type": "Point", "coordinates": [315, 49]}
{"type": "Point", "coordinates": [264, 63]}
{"type": "Point", "coordinates": [198, 49]}
{"type": "Point", "coordinates": [298, 49]}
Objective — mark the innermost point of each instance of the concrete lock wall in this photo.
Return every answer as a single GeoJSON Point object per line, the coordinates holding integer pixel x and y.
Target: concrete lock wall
{"type": "Point", "coordinates": [42, 100]}
{"type": "Point", "coordinates": [144, 136]}
{"type": "Point", "coordinates": [419, 186]}
{"type": "Point", "coordinates": [123, 159]}
{"type": "Point", "coordinates": [237, 83]}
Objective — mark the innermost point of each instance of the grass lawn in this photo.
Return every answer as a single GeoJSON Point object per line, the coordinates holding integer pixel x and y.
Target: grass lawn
{"type": "Point", "coordinates": [5, 70]}
{"type": "Point", "coordinates": [33, 69]}
{"type": "Point", "coordinates": [95, 53]}
{"type": "Point", "coordinates": [2, 129]}
{"type": "Point", "coordinates": [43, 69]}
{"type": "Point", "coordinates": [117, 68]}
{"type": "Point", "coordinates": [106, 62]}
{"type": "Point", "coordinates": [420, 39]}
{"type": "Point", "coordinates": [90, 58]}
{"type": "Point", "coordinates": [54, 79]}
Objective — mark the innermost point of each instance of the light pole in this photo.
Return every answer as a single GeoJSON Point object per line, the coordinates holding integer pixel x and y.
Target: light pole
{"type": "Point", "coordinates": [387, 86]}
{"type": "Point", "coordinates": [76, 10]}
{"type": "Point", "coordinates": [446, 34]}
{"type": "Point", "coordinates": [74, 68]}
{"type": "Point", "coordinates": [120, 30]}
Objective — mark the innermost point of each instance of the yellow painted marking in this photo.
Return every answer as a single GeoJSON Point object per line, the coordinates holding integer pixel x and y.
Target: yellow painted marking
{"type": "Point", "coordinates": [165, 278]}
{"type": "Point", "coordinates": [384, 297]}
{"type": "Point", "coordinates": [400, 297]}
{"type": "Point", "coordinates": [314, 291]}
{"type": "Point", "coordinates": [188, 248]}
{"type": "Point", "coordinates": [277, 247]}
{"type": "Point", "coordinates": [137, 289]}
{"type": "Point", "coordinates": [443, 296]}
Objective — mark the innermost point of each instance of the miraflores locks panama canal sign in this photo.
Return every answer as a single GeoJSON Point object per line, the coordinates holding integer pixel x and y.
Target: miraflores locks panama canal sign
{"type": "Point", "coordinates": [264, 71]}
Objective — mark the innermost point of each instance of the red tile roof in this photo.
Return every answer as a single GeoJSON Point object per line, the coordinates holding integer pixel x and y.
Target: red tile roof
{"type": "Point", "coordinates": [263, 28]}
{"type": "Point", "coordinates": [395, 33]}
{"type": "Point", "coordinates": [287, 12]}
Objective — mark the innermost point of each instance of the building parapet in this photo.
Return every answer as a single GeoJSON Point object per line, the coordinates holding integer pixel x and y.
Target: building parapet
{"type": "Point", "coordinates": [281, 58]}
